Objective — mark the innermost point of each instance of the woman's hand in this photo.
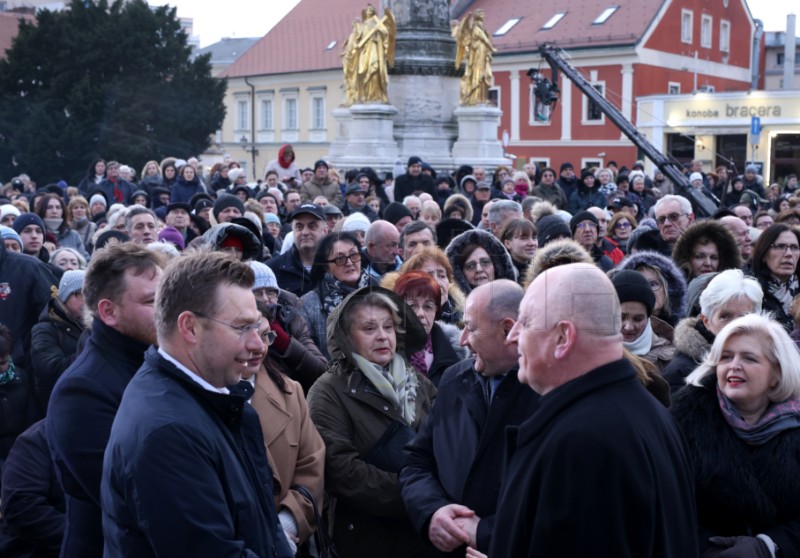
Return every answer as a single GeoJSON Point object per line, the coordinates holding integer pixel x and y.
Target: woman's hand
{"type": "Point", "coordinates": [472, 553]}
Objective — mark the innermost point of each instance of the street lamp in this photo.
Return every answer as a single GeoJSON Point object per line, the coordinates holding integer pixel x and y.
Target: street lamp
{"type": "Point", "coordinates": [250, 148]}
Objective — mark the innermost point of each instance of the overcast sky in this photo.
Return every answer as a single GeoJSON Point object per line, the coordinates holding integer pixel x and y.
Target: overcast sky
{"type": "Point", "coordinates": [246, 18]}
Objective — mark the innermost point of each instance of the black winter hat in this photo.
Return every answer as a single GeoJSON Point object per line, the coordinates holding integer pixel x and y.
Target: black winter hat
{"type": "Point", "coordinates": [224, 201]}
{"type": "Point", "coordinates": [414, 160]}
{"type": "Point", "coordinates": [632, 286]}
{"type": "Point", "coordinates": [320, 163]}
{"type": "Point", "coordinates": [27, 219]}
{"type": "Point", "coordinates": [582, 216]}
{"type": "Point", "coordinates": [551, 227]}
{"type": "Point", "coordinates": [396, 211]}
{"type": "Point", "coordinates": [108, 235]}
{"type": "Point", "coordinates": [565, 166]}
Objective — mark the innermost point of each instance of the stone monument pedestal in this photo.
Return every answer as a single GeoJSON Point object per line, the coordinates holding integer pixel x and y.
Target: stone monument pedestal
{"type": "Point", "coordinates": [369, 140]}
{"type": "Point", "coordinates": [477, 143]}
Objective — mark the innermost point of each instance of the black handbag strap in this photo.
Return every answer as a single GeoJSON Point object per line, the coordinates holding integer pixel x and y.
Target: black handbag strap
{"type": "Point", "coordinates": [325, 545]}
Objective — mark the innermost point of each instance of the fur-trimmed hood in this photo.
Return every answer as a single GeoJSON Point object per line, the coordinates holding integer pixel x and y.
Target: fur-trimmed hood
{"type": "Point", "coordinates": [556, 253]}
{"type": "Point", "coordinates": [216, 235]}
{"type": "Point", "coordinates": [454, 336]}
{"type": "Point", "coordinates": [690, 341]}
{"type": "Point", "coordinates": [729, 256]}
{"type": "Point", "coordinates": [503, 266]}
{"type": "Point", "coordinates": [676, 282]}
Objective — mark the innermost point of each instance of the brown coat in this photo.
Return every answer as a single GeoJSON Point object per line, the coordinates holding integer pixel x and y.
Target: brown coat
{"type": "Point", "coordinates": [367, 515]}
{"type": "Point", "coordinates": [295, 449]}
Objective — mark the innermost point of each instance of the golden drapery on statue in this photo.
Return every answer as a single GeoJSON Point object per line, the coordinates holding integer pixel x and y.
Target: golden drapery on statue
{"type": "Point", "coordinates": [474, 46]}
{"type": "Point", "coordinates": [367, 56]}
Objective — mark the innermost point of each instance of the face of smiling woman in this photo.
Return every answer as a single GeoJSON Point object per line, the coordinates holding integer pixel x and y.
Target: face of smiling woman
{"type": "Point", "coordinates": [745, 374]}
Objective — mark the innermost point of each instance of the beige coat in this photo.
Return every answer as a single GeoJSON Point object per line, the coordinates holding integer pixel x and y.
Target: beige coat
{"type": "Point", "coordinates": [296, 451]}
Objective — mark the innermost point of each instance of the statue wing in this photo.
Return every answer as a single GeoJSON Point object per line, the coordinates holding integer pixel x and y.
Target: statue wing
{"type": "Point", "coordinates": [461, 34]}
{"type": "Point", "coordinates": [391, 26]}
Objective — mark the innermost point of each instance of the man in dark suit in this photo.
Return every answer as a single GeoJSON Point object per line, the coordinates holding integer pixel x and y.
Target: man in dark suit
{"type": "Point", "coordinates": [451, 477]}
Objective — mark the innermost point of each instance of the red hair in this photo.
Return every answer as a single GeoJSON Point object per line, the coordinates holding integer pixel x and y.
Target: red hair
{"type": "Point", "coordinates": [419, 284]}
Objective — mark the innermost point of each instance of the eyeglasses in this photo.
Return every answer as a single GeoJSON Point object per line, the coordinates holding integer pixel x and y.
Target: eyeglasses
{"type": "Point", "coordinates": [268, 337]}
{"type": "Point", "coordinates": [793, 248]}
{"type": "Point", "coordinates": [241, 330]}
{"type": "Point", "coordinates": [586, 225]}
{"type": "Point", "coordinates": [672, 217]}
{"type": "Point", "coordinates": [483, 262]}
{"type": "Point", "coordinates": [655, 285]}
{"type": "Point", "coordinates": [622, 225]}
{"type": "Point", "coordinates": [354, 257]}
{"type": "Point", "coordinates": [271, 294]}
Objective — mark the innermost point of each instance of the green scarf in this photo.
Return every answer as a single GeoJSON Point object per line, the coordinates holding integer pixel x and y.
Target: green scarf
{"type": "Point", "coordinates": [397, 383]}
{"type": "Point", "coordinates": [9, 375]}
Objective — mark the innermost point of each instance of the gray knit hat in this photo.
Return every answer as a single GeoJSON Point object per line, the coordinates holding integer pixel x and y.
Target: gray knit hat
{"type": "Point", "coordinates": [265, 277]}
{"type": "Point", "coordinates": [71, 282]}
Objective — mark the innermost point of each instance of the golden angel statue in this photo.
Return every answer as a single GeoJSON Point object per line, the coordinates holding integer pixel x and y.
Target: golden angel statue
{"type": "Point", "coordinates": [474, 46]}
{"type": "Point", "coordinates": [367, 56]}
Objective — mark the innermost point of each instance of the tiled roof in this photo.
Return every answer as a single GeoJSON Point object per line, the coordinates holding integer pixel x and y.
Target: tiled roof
{"type": "Point", "coordinates": [625, 26]}
{"type": "Point", "coordinates": [298, 42]}
{"type": "Point", "coordinates": [227, 50]}
{"type": "Point", "coordinates": [9, 27]}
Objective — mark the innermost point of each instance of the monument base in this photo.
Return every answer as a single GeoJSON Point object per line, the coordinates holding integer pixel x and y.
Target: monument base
{"type": "Point", "coordinates": [365, 138]}
{"type": "Point", "coordinates": [477, 143]}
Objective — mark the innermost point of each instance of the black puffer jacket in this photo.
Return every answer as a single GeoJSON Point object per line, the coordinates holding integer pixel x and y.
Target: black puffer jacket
{"type": "Point", "coordinates": [692, 341]}
{"type": "Point", "coordinates": [17, 411]}
{"type": "Point", "coordinates": [503, 266]}
{"type": "Point", "coordinates": [54, 346]}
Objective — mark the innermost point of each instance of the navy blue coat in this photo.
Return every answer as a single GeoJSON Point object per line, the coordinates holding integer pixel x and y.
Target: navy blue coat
{"type": "Point", "coordinates": [600, 469]}
{"type": "Point", "coordinates": [79, 417]}
{"type": "Point", "coordinates": [456, 455]}
{"type": "Point", "coordinates": [33, 503]}
{"type": "Point", "coordinates": [290, 273]}
{"type": "Point", "coordinates": [186, 472]}
{"type": "Point", "coordinates": [183, 191]}
{"type": "Point", "coordinates": [124, 187]}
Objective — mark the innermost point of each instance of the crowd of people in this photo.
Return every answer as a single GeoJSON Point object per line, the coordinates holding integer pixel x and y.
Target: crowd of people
{"type": "Point", "coordinates": [530, 362]}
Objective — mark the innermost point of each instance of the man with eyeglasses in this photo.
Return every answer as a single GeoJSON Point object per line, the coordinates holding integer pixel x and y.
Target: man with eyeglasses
{"type": "Point", "coordinates": [119, 290]}
{"type": "Point", "coordinates": [293, 268]}
{"type": "Point", "coordinates": [584, 229]}
{"type": "Point", "coordinates": [673, 216]}
{"type": "Point", "coordinates": [186, 472]}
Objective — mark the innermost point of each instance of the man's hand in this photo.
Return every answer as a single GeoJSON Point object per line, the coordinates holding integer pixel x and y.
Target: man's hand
{"type": "Point", "coordinates": [443, 532]}
{"type": "Point", "coordinates": [472, 553]}
{"type": "Point", "coordinates": [470, 526]}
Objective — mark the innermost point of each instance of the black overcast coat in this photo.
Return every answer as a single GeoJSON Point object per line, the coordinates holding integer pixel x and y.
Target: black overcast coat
{"type": "Point", "coordinates": [456, 456]}
{"type": "Point", "coordinates": [600, 469]}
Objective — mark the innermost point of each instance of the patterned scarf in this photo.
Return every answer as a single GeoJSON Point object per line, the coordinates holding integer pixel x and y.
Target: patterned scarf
{"type": "Point", "coordinates": [418, 359]}
{"type": "Point", "coordinates": [777, 418]}
{"type": "Point", "coordinates": [332, 291]}
{"type": "Point", "coordinates": [9, 375]}
{"type": "Point", "coordinates": [397, 383]}
{"type": "Point", "coordinates": [784, 292]}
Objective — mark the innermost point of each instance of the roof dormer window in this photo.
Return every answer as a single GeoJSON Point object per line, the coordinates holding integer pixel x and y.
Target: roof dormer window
{"type": "Point", "coordinates": [507, 26]}
{"type": "Point", "coordinates": [554, 20]}
{"type": "Point", "coordinates": [607, 13]}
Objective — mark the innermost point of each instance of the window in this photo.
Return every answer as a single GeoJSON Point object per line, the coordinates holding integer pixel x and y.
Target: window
{"type": "Point", "coordinates": [686, 26]}
{"type": "Point", "coordinates": [318, 113]}
{"type": "Point", "coordinates": [331, 45]}
{"type": "Point", "coordinates": [607, 13]}
{"type": "Point", "coordinates": [242, 115]}
{"type": "Point", "coordinates": [266, 114]}
{"type": "Point", "coordinates": [779, 59]}
{"type": "Point", "coordinates": [592, 113]}
{"type": "Point", "coordinates": [706, 23]}
{"type": "Point", "coordinates": [507, 26]}
{"type": "Point", "coordinates": [673, 88]}
{"type": "Point", "coordinates": [554, 20]}
{"type": "Point", "coordinates": [290, 113]}
{"type": "Point", "coordinates": [725, 36]}
{"type": "Point", "coordinates": [494, 96]}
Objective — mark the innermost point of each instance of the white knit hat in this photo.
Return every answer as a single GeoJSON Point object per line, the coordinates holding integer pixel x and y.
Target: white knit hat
{"type": "Point", "coordinates": [265, 277]}
{"type": "Point", "coordinates": [71, 282]}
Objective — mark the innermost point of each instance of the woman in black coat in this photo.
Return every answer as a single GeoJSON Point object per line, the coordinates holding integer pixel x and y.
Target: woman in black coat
{"type": "Point", "coordinates": [774, 265]}
{"type": "Point", "coordinates": [740, 416]}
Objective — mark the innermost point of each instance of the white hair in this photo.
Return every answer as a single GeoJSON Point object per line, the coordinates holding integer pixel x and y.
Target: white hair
{"type": "Point", "coordinates": [686, 205]}
{"type": "Point", "coordinates": [166, 248]}
{"type": "Point", "coordinates": [411, 198]}
{"type": "Point", "coordinates": [728, 286]}
{"type": "Point", "coordinates": [781, 351]}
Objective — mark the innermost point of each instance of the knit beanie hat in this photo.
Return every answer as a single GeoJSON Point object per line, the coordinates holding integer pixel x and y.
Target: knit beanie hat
{"type": "Point", "coordinates": [173, 236]}
{"type": "Point", "coordinates": [71, 282]}
{"type": "Point", "coordinates": [233, 242]}
{"type": "Point", "coordinates": [582, 216]}
{"type": "Point", "coordinates": [224, 201]}
{"type": "Point", "coordinates": [8, 209]}
{"type": "Point", "coordinates": [26, 219]}
{"type": "Point", "coordinates": [414, 160]}
{"type": "Point", "coordinates": [8, 232]}
{"type": "Point", "coordinates": [265, 277]}
{"type": "Point", "coordinates": [98, 198]}
{"type": "Point", "coordinates": [356, 222]}
{"type": "Point", "coordinates": [272, 218]}
{"type": "Point", "coordinates": [565, 166]}
{"type": "Point", "coordinates": [109, 235]}
{"type": "Point", "coordinates": [632, 286]}
{"type": "Point", "coordinates": [551, 227]}
{"type": "Point", "coordinates": [395, 211]}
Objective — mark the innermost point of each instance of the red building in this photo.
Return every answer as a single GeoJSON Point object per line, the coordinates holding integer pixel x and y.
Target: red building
{"type": "Point", "coordinates": [627, 50]}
